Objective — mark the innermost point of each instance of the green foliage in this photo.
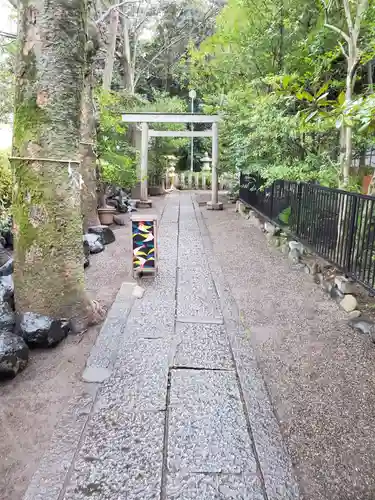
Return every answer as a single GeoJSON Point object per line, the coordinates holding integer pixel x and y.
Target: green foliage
{"type": "Point", "coordinates": [116, 156]}
{"type": "Point", "coordinates": [277, 75]}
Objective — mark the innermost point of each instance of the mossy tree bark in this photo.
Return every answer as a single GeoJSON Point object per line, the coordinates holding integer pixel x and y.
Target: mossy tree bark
{"type": "Point", "coordinates": [89, 199]}
{"type": "Point", "coordinates": [48, 273]}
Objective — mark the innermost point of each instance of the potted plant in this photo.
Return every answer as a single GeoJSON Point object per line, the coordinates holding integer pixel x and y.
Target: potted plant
{"type": "Point", "coordinates": [121, 173]}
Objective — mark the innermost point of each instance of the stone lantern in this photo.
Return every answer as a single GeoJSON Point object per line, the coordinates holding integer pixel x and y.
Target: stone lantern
{"type": "Point", "coordinates": [206, 163]}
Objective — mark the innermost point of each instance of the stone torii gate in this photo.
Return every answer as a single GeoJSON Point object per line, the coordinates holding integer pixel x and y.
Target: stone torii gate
{"type": "Point", "coordinates": [146, 118]}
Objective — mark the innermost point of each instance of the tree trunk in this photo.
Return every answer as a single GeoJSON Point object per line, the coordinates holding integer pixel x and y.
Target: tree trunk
{"type": "Point", "coordinates": [89, 199]}
{"type": "Point", "coordinates": [48, 274]}
{"type": "Point", "coordinates": [110, 59]}
{"type": "Point", "coordinates": [126, 55]}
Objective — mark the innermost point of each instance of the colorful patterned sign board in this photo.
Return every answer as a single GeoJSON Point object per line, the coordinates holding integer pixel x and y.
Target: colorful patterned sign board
{"type": "Point", "coordinates": [144, 229]}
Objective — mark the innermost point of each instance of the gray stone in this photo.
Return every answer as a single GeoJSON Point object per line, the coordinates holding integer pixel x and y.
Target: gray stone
{"type": "Point", "coordinates": [14, 354]}
{"type": "Point", "coordinates": [207, 427]}
{"type": "Point", "coordinates": [214, 206]}
{"type": "Point", "coordinates": [190, 486]}
{"type": "Point", "coordinates": [271, 229]}
{"type": "Point", "coordinates": [294, 256]}
{"type": "Point", "coordinates": [93, 240]}
{"type": "Point", "coordinates": [363, 325]}
{"type": "Point", "coordinates": [140, 375]}
{"type": "Point", "coordinates": [121, 219]}
{"type": "Point", "coordinates": [296, 245]}
{"type": "Point", "coordinates": [42, 331]}
{"type": "Point", "coordinates": [96, 374]}
{"type": "Point", "coordinates": [354, 314]}
{"type": "Point", "coordinates": [345, 285]}
{"type": "Point", "coordinates": [105, 234]}
{"type": "Point", "coordinates": [349, 303]}
{"type": "Point", "coordinates": [327, 285]}
{"type": "Point", "coordinates": [7, 268]}
{"type": "Point", "coordinates": [138, 292]}
{"type": "Point", "coordinates": [120, 458]}
{"type": "Point", "coordinates": [144, 204]}
{"type": "Point", "coordinates": [336, 294]}
{"type": "Point", "coordinates": [7, 316]}
{"type": "Point", "coordinates": [202, 346]}
{"type": "Point", "coordinates": [196, 294]}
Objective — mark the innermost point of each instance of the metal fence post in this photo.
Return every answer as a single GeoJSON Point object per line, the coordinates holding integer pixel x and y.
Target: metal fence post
{"type": "Point", "coordinates": [351, 234]}
{"type": "Point", "coordinates": [299, 207]}
{"type": "Point", "coordinates": [272, 195]}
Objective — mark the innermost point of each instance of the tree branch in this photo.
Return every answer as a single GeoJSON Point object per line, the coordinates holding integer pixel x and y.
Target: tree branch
{"type": "Point", "coordinates": [13, 3]}
{"type": "Point", "coordinates": [361, 9]}
{"type": "Point", "coordinates": [348, 15]}
{"type": "Point", "coordinates": [107, 12]}
{"type": "Point", "coordinates": [339, 31]}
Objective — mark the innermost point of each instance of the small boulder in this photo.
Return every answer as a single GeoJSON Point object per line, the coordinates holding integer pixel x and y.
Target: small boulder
{"type": "Point", "coordinates": [14, 354]}
{"type": "Point", "coordinates": [86, 254]}
{"type": "Point", "coordinates": [93, 240]}
{"type": "Point", "coordinates": [138, 292]}
{"type": "Point", "coordinates": [7, 290]}
{"type": "Point", "coordinates": [364, 326]}
{"type": "Point", "coordinates": [294, 256]}
{"type": "Point", "coordinates": [336, 294]}
{"type": "Point", "coordinates": [345, 285]}
{"type": "Point", "coordinates": [104, 232]}
{"type": "Point", "coordinates": [42, 331]}
{"type": "Point", "coordinates": [7, 268]}
{"type": "Point", "coordinates": [271, 229]}
{"type": "Point", "coordinates": [120, 219]}
{"type": "Point", "coordinates": [349, 303]}
{"type": "Point", "coordinates": [296, 245]}
{"type": "Point", "coordinates": [354, 314]}
{"type": "Point", "coordinates": [7, 317]}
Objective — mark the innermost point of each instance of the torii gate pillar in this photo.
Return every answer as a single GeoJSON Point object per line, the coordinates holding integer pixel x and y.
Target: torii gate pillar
{"type": "Point", "coordinates": [215, 204]}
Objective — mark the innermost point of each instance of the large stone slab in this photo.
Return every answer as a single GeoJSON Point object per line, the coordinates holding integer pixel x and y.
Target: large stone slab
{"type": "Point", "coordinates": [139, 379]}
{"type": "Point", "coordinates": [186, 486]}
{"type": "Point", "coordinates": [196, 294]}
{"type": "Point", "coordinates": [207, 426]}
{"type": "Point", "coordinates": [202, 346]}
{"type": "Point", "coordinates": [121, 457]}
{"type": "Point", "coordinates": [152, 319]}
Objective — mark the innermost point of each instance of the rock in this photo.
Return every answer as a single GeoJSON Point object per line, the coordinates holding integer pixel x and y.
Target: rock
{"type": "Point", "coordinates": [4, 255]}
{"type": "Point", "coordinates": [296, 245]}
{"type": "Point", "coordinates": [349, 303]}
{"type": "Point", "coordinates": [86, 254]}
{"type": "Point", "coordinates": [120, 219]}
{"type": "Point", "coordinates": [271, 229]}
{"type": "Point", "coordinates": [93, 240]}
{"type": "Point", "coordinates": [7, 268]}
{"type": "Point", "coordinates": [14, 354]}
{"type": "Point", "coordinates": [364, 326]}
{"type": "Point", "coordinates": [138, 292]}
{"type": "Point", "coordinates": [95, 374]}
{"type": "Point", "coordinates": [7, 317]}
{"type": "Point", "coordinates": [104, 232]}
{"type": "Point", "coordinates": [42, 331]}
{"type": "Point", "coordinates": [294, 256]}
{"type": "Point", "coordinates": [285, 248]}
{"type": "Point", "coordinates": [336, 294]}
{"type": "Point", "coordinates": [319, 278]}
{"type": "Point", "coordinates": [327, 285]}
{"type": "Point", "coordinates": [7, 290]}
{"type": "Point", "coordinates": [345, 285]}
{"type": "Point", "coordinates": [354, 314]}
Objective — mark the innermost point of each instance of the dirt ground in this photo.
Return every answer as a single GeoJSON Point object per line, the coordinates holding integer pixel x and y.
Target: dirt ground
{"type": "Point", "coordinates": [30, 405]}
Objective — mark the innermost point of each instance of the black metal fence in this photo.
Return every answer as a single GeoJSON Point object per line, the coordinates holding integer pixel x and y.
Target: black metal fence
{"type": "Point", "coordinates": [337, 225]}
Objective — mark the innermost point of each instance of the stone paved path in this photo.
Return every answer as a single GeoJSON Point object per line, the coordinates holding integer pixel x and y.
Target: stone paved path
{"type": "Point", "coordinates": [182, 413]}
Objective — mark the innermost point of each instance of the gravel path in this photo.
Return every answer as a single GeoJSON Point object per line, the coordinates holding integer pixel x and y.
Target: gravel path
{"type": "Point", "coordinates": [320, 374]}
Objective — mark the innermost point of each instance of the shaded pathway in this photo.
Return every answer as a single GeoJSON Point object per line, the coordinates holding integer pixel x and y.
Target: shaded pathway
{"type": "Point", "coordinates": [183, 412]}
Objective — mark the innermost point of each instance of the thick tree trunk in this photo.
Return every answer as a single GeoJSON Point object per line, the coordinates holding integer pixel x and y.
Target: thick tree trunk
{"type": "Point", "coordinates": [110, 58]}
{"type": "Point", "coordinates": [89, 199]}
{"type": "Point", "coordinates": [48, 273]}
